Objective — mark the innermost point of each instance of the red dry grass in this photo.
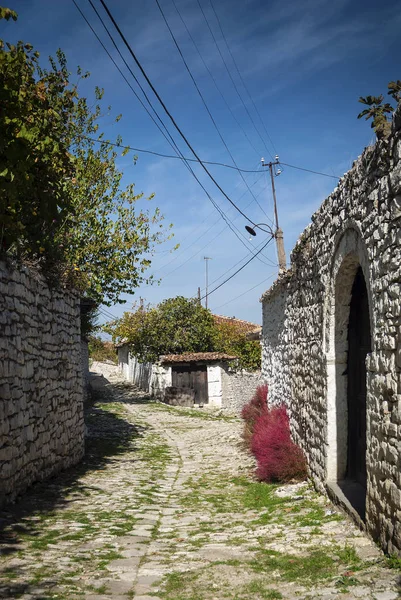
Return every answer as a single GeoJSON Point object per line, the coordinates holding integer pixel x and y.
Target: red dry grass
{"type": "Point", "coordinates": [278, 458]}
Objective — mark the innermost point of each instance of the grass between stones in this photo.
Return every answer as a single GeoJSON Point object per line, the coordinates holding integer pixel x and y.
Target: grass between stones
{"type": "Point", "coordinates": [241, 513]}
{"type": "Point", "coordinates": [195, 413]}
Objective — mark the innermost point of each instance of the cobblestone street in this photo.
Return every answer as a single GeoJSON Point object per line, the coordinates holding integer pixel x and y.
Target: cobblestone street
{"type": "Point", "coordinates": [164, 507]}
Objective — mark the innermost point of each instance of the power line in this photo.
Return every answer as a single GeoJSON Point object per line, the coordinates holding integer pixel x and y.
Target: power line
{"type": "Point", "coordinates": [162, 155]}
{"type": "Point", "coordinates": [172, 143]}
{"type": "Point", "coordinates": [232, 79]}
{"type": "Point", "coordinates": [310, 171]}
{"type": "Point", "coordinates": [107, 314]}
{"type": "Point", "coordinates": [204, 102]}
{"type": "Point", "coordinates": [204, 233]}
{"type": "Point", "coordinates": [206, 162]}
{"type": "Point", "coordinates": [214, 79]}
{"type": "Point", "coordinates": [240, 76]}
{"type": "Point", "coordinates": [233, 267]}
{"type": "Point", "coordinates": [175, 147]}
{"type": "Point", "coordinates": [240, 269]}
{"type": "Point", "coordinates": [168, 112]}
{"type": "Point", "coordinates": [247, 291]}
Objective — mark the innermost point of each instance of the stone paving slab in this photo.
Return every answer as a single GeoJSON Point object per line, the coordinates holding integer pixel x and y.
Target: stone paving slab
{"type": "Point", "coordinates": [164, 508]}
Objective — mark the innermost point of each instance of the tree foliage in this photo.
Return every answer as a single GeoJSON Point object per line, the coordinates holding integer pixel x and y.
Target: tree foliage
{"type": "Point", "coordinates": [179, 325]}
{"type": "Point", "coordinates": [62, 203]}
{"type": "Point", "coordinates": [378, 109]}
{"type": "Point", "coordinates": [233, 341]}
{"type": "Point", "coordinates": [174, 326]}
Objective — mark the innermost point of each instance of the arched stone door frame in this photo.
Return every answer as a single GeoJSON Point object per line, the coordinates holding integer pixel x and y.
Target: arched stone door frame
{"type": "Point", "coordinates": [350, 254]}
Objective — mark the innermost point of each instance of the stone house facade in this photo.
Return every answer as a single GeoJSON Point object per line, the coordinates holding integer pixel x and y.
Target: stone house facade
{"type": "Point", "coordinates": [331, 341]}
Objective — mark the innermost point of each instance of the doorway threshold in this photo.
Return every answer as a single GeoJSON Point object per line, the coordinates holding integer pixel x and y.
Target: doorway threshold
{"type": "Point", "coordinates": [351, 497]}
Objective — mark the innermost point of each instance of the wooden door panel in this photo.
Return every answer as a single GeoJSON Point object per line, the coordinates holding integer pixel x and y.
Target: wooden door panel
{"type": "Point", "coordinates": [194, 377]}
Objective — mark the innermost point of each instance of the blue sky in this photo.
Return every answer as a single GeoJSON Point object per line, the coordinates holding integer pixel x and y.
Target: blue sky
{"type": "Point", "coordinates": [305, 65]}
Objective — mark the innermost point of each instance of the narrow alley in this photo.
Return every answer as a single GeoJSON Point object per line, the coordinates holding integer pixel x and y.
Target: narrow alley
{"type": "Point", "coordinates": [164, 507]}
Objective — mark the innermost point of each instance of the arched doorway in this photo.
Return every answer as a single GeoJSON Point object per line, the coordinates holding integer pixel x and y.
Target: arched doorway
{"type": "Point", "coordinates": [347, 336]}
{"type": "Point", "coordinates": [359, 345]}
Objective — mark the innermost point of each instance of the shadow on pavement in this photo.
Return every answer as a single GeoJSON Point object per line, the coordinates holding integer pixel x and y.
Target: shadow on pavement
{"type": "Point", "coordinates": [109, 435]}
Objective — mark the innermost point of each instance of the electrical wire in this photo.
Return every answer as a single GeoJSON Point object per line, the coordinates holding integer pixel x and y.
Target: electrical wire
{"type": "Point", "coordinates": [204, 233]}
{"type": "Point", "coordinates": [310, 171]}
{"type": "Point", "coordinates": [233, 267]}
{"type": "Point", "coordinates": [107, 314]}
{"type": "Point", "coordinates": [206, 162]}
{"type": "Point", "coordinates": [232, 80]}
{"type": "Point", "coordinates": [238, 270]}
{"type": "Point", "coordinates": [152, 87]}
{"type": "Point", "coordinates": [166, 136]}
{"type": "Point", "coordinates": [240, 76]}
{"type": "Point", "coordinates": [204, 101]}
{"type": "Point", "coordinates": [247, 291]}
{"type": "Point", "coordinates": [175, 147]}
{"type": "Point", "coordinates": [214, 79]}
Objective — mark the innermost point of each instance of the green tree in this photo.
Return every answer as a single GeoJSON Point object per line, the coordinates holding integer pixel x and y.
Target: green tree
{"type": "Point", "coordinates": [174, 326]}
{"type": "Point", "coordinates": [180, 325]}
{"type": "Point", "coordinates": [394, 90]}
{"type": "Point", "coordinates": [231, 340]}
{"type": "Point", "coordinates": [378, 110]}
{"type": "Point", "coordinates": [62, 204]}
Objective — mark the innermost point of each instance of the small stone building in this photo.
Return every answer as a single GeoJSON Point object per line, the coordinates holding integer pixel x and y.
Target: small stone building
{"type": "Point", "coordinates": [332, 341]}
{"type": "Point", "coordinates": [215, 383]}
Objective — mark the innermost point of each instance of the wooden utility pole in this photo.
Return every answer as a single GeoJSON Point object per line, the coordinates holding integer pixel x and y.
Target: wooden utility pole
{"type": "Point", "coordinates": [278, 234]}
{"type": "Point", "coordinates": [206, 259]}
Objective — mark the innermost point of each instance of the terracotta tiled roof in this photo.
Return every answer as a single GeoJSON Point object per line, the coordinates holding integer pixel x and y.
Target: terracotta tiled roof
{"type": "Point", "coordinates": [195, 356]}
{"type": "Point", "coordinates": [239, 324]}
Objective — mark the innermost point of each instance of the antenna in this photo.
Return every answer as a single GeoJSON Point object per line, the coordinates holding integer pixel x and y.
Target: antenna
{"type": "Point", "coordinates": [206, 259]}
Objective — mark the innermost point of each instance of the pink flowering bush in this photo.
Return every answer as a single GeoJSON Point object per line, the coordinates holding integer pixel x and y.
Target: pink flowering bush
{"type": "Point", "coordinates": [267, 435]}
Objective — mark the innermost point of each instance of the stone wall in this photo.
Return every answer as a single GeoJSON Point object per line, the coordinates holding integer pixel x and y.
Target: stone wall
{"type": "Point", "coordinates": [305, 332]}
{"type": "Point", "coordinates": [238, 387]}
{"type": "Point", "coordinates": [85, 365]}
{"type": "Point", "coordinates": [41, 383]}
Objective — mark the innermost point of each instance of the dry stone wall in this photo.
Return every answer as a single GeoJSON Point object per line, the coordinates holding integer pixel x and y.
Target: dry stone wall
{"type": "Point", "coordinates": [238, 387]}
{"type": "Point", "coordinates": [305, 332]}
{"type": "Point", "coordinates": [41, 382]}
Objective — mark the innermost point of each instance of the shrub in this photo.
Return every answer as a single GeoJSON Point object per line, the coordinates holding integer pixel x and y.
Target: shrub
{"type": "Point", "coordinates": [278, 458]}
{"type": "Point", "coordinates": [267, 435]}
{"type": "Point", "coordinates": [252, 411]}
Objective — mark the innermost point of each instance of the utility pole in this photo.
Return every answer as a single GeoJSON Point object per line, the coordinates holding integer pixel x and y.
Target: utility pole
{"type": "Point", "coordinates": [282, 263]}
{"type": "Point", "coordinates": [199, 295]}
{"type": "Point", "coordinates": [206, 259]}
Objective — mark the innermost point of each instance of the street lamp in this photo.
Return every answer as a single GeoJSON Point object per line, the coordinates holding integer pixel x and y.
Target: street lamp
{"type": "Point", "coordinates": [277, 235]}
{"type": "Point", "coordinates": [252, 231]}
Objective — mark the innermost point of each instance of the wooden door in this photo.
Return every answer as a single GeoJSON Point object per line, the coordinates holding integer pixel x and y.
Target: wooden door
{"type": "Point", "coordinates": [359, 345]}
{"type": "Point", "coordinates": [194, 377]}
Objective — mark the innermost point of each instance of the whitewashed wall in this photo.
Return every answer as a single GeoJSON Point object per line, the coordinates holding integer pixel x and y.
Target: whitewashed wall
{"type": "Point", "coordinates": [152, 378]}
